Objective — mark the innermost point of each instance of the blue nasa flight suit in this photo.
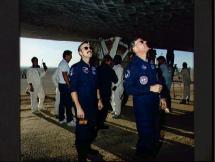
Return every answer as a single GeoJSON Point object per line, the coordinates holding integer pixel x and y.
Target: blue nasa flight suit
{"type": "Point", "coordinates": [83, 80]}
{"type": "Point", "coordinates": [139, 76]}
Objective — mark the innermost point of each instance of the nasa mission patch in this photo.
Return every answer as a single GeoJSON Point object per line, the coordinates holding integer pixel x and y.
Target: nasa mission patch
{"type": "Point", "coordinates": [143, 80]}
{"type": "Point", "coordinates": [85, 70]}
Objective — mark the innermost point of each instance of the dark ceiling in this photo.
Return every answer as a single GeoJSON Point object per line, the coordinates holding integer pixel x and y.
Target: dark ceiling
{"type": "Point", "coordinates": [166, 23]}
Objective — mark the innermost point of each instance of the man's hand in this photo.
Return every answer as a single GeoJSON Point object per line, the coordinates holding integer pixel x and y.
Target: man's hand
{"type": "Point", "coordinates": [114, 88]}
{"type": "Point", "coordinates": [156, 88]}
{"type": "Point", "coordinates": [80, 113]}
{"type": "Point", "coordinates": [31, 89]}
{"type": "Point", "coordinates": [163, 104]}
{"type": "Point", "coordinates": [44, 66]}
{"type": "Point", "coordinates": [100, 104]}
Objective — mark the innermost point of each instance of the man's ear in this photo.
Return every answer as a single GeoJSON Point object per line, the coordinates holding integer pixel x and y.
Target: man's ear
{"type": "Point", "coordinates": [133, 49]}
{"type": "Point", "coordinates": [80, 53]}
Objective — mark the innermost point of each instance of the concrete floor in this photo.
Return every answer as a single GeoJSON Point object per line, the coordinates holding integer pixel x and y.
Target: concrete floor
{"type": "Point", "coordinates": [43, 139]}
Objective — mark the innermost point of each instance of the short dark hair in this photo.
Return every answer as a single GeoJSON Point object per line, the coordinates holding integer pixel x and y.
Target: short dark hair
{"type": "Point", "coordinates": [117, 59]}
{"type": "Point", "coordinates": [107, 58]}
{"type": "Point", "coordinates": [137, 36]}
{"type": "Point", "coordinates": [33, 59]}
{"type": "Point", "coordinates": [66, 53]}
{"type": "Point", "coordinates": [130, 54]}
{"type": "Point", "coordinates": [132, 43]}
{"type": "Point", "coordinates": [161, 58]}
{"type": "Point", "coordinates": [184, 65]}
{"type": "Point", "coordinates": [79, 47]}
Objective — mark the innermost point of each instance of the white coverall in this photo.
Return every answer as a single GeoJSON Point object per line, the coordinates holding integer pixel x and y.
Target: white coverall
{"type": "Point", "coordinates": [116, 101]}
{"type": "Point", "coordinates": [57, 92]}
{"type": "Point", "coordinates": [34, 76]}
{"type": "Point", "coordinates": [185, 73]}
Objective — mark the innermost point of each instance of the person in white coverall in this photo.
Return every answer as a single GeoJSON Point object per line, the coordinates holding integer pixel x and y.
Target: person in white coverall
{"type": "Point", "coordinates": [34, 75]}
{"type": "Point", "coordinates": [117, 89]}
{"type": "Point", "coordinates": [57, 93]}
{"type": "Point", "coordinates": [185, 74]}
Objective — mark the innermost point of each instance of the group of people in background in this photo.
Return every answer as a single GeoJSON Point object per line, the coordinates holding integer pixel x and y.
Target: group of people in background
{"type": "Point", "coordinates": [85, 93]}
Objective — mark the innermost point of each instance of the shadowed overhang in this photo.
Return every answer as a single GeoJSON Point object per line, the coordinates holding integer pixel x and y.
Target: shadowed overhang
{"type": "Point", "coordinates": [166, 23]}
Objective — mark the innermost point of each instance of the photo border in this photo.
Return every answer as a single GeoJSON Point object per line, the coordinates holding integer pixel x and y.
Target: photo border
{"type": "Point", "coordinates": [10, 81]}
{"type": "Point", "coordinates": [203, 60]}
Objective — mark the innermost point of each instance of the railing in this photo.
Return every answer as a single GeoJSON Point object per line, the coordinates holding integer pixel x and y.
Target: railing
{"type": "Point", "coordinates": [177, 90]}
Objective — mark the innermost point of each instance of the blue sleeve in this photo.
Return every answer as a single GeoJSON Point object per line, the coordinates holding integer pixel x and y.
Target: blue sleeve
{"type": "Point", "coordinates": [74, 79]}
{"type": "Point", "coordinates": [163, 93]}
{"type": "Point", "coordinates": [132, 84]}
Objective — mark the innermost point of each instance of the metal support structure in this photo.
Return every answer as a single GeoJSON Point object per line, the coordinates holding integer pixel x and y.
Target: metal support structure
{"type": "Point", "coordinates": [123, 44]}
{"type": "Point", "coordinates": [101, 53]}
{"type": "Point", "coordinates": [125, 54]}
{"type": "Point", "coordinates": [114, 47]}
{"type": "Point", "coordinates": [116, 42]}
{"type": "Point", "coordinates": [104, 47]}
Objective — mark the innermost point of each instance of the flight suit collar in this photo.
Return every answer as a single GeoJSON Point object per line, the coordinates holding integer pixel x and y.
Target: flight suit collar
{"type": "Point", "coordinates": [138, 60]}
{"type": "Point", "coordinates": [85, 64]}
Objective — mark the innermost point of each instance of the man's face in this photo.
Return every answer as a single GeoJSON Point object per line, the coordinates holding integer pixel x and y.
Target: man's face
{"type": "Point", "coordinates": [68, 57]}
{"type": "Point", "coordinates": [109, 62]}
{"type": "Point", "coordinates": [35, 63]}
{"type": "Point", "coordinates": [140, 45]}
{"type": "Point", "coordinates": [85, 50]}
{"type": "Point", "coordinates": [159, 61]}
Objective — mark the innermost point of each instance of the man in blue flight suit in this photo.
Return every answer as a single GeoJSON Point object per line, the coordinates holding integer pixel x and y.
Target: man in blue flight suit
{"type": "Point", "coordinates": [86, 96]}
{"type": "Point", "coordinates": [142, 83]}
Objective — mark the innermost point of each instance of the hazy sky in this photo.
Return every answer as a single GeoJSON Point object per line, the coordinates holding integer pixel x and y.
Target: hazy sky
{"type": "Point", "coordinates": [51, 52]}
{"type": "Point", "coordinates": [180, 57]}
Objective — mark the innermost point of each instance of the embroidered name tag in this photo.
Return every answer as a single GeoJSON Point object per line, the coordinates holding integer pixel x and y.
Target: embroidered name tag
{"type": "Point", "coordinates": [153, 66]}
{"type": "Point", "coordinates": [144, 67]}
{"type": "Point", "coordinates": [94, 70]}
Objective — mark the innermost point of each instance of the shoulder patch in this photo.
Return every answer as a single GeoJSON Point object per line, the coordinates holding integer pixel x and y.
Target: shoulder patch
{"type": "Point", "coordinates": [127, 74]}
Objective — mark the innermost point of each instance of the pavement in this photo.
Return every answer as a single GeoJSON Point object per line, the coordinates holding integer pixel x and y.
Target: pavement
{"type": "Point", "coordinates": [44, 139]}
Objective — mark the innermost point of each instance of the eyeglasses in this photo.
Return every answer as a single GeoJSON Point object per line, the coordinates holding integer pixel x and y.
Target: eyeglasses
{"type": "Point", "coordinates": [142, 41]}
{"type": "Point", "coordinates": [134, 44]}
{"type": "Point", "coordinates": [86, 48]}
